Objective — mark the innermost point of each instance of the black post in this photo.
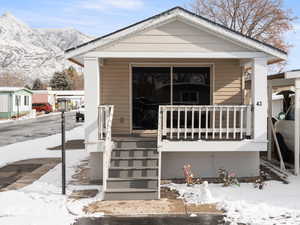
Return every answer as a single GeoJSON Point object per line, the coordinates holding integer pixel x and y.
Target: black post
{"type": "Point", "coordinates": [63, 152]}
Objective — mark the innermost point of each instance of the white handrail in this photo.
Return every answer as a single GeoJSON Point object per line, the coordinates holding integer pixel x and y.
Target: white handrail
{"type": "Point", "coordinates": [208, 122]}
{"type": "Point", "coordinates": [105, 117]}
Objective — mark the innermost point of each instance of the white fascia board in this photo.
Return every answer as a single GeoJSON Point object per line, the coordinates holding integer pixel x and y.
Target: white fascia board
{"type": "Point", "coordinates": [292, 74]}
{"type": "Point", "coordinates": [234, 36]}
{"type": "Point", "coordinates": [178, 55]}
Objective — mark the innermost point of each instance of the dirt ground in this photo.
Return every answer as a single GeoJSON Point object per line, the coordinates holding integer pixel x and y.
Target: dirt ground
{"type": "Point", "coordinates": [149, 207]}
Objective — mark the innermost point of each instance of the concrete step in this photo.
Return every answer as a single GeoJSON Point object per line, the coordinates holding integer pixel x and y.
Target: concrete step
{"type": "Point", "coordinates": [134, 161]}
{"type": "Point", "coordinates": [136, 144]}
{"type": "Point", "coordinates": [131, 194]}
{"type": "Point", "coordinates": [137, 171]}
{"type": "Point", "coordinates": [134, 152]}
{"type": "Point", "coordinates": [135, 182]}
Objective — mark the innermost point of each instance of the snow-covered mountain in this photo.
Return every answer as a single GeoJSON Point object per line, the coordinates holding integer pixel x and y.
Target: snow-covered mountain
{"type": "Point", "coordinates": [34, 52]}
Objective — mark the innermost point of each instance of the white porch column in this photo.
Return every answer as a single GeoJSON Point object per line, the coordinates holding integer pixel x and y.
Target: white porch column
{"type": "Point", "coordinates": [270, 110]}
{"type": "Point", "coordinates": [92, 100]}
{"type": "Point", "coordinates": [297, 125]}
{"type": "Point", "coordinates": [259, 89]}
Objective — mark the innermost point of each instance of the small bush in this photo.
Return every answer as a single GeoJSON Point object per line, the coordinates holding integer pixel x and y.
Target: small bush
{"type": "Point", "coordinates": [189, 176]}
{"type": "Point", "coordinates": [228, 178]}
{"type": "Point", "coordinates": [260, 182]}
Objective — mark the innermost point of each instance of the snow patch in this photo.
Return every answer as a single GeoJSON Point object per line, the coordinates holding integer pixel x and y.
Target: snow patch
{"type": "Point", "coordinates": [277, 203]}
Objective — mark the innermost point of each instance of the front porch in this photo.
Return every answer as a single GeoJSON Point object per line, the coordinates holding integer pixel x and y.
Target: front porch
{"type": "Point", "coordinates": [209, 126]}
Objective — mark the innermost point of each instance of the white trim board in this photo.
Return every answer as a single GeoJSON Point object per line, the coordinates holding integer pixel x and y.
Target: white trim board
{"type": "Point", "coordinates": [213, 146]}
{"type": "Point", "coordinates": [187, 17]}
{"type": "Point", "coordinates": [178, 55]}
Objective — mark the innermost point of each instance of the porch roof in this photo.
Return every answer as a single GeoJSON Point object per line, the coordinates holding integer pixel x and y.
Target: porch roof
{"type": "Point", "coordinates": [273, 53]}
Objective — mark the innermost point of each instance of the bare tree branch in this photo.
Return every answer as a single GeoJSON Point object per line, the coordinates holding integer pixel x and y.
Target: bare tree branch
{"type": "Point", "coordinates": [265, 20]}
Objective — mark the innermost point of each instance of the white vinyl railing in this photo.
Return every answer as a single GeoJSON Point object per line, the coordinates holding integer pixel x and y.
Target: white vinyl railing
{"type": "Point", "coordinates": [105, 117]}
{"type": "Point", "coordinates": [208, 122]}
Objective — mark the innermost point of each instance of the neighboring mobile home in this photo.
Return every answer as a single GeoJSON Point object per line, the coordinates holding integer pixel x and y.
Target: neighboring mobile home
{"type": "Point", "coordinates": [14, 102]}
{"type": "Point", "coordinates": [176, 79]}
{"type": "Point", "coordinates": [74, 98]}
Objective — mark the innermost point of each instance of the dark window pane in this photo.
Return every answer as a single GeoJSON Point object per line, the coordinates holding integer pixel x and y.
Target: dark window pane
{"type": "Point", "coordinates": [191, 86]}
{"type": "Point", "coordinates": [150, 88]}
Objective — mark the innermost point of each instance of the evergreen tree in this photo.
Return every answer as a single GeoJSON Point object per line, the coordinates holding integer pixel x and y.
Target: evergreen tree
{"type": "Point", "coordinates": [60, 81]}
{"type": "Point", "coordinates": [37, 84]}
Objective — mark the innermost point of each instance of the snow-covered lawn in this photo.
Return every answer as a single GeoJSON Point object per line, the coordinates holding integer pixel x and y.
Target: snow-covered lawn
{"type": "Point", "coordinates": [277, 203]}
{"type": "Point", "coordinates": [41, 203]}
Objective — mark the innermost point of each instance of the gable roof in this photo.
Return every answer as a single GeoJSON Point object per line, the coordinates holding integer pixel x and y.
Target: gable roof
{"type": "Point", "coordinates": [181, 13]}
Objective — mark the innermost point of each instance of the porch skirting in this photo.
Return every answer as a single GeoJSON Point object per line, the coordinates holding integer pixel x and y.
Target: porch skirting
{"type": "Point", "coordinates": [204, 164]}
{"type": "Point", "coordinates": [96, 166]}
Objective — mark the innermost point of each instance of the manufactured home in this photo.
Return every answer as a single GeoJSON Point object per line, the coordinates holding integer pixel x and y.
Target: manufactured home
{"type": "Point", "coordinates": [169, 91]}
{"type": "Point", "coordinates": [14, 102]}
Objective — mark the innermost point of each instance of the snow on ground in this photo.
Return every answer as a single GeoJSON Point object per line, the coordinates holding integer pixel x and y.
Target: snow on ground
{"type": "Point", "coordinates": [42, 202]}
{"type": "Point", "coordinates": [277, 203]}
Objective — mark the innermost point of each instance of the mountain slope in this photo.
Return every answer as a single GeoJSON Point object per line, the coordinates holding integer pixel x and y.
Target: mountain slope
{"type": "Point", "coordinates": [34, 52]}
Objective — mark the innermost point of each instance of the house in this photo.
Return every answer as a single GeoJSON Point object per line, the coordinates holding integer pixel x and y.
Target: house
{"type": "Point", "coordinates": [14, 102]}
{"type": "Point", "coordinates": [74, 98]}
{"type": "Point", "coordinates": [44, 96]}
{"type": "Point", "coordinates": [168, 91]}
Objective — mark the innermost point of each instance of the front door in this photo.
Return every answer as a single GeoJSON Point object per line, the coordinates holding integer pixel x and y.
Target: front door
{"type": "Point", "coordinates": [154, 86]}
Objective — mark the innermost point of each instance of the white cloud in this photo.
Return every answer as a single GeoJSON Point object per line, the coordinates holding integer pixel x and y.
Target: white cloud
{"type": "Point", "coordinates": [109, 4]}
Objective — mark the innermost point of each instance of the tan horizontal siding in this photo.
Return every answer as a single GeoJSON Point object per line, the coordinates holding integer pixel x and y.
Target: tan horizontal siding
{"type": "Point", "coordinates": [174, 36]}
{"type": "Point", "coordinates": [115, 86]}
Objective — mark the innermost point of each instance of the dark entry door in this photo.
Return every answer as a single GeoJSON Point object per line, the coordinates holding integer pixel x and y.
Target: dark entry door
{"type": "Point", "coordinates": [150, 88]}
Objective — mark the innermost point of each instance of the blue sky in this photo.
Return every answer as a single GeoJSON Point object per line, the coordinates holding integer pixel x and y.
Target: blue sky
{"type": "Point", "coordinates": [97, 17]}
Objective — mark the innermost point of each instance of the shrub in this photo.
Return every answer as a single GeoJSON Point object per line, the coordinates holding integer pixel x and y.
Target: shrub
{"type": "Point", "coordinates": [228, 178]}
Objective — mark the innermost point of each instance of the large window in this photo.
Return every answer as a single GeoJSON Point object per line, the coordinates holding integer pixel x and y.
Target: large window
{"type": "Point", "coordinates": [154, 86]}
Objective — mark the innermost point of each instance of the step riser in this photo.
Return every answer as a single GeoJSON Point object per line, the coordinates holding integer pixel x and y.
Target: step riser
{"type": "Point", "coordinates": [134, 162]}
{"type": "Point", "coordinates": [130, 196]}
{"type": "Point", "coordinates": [153, 184]}
{"type": "Point", "coordinates": [133, 144]}
{"type": "Point", "coordinates": [133, 173]}
{"type": "Point", "coordinates": [134, 153]}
